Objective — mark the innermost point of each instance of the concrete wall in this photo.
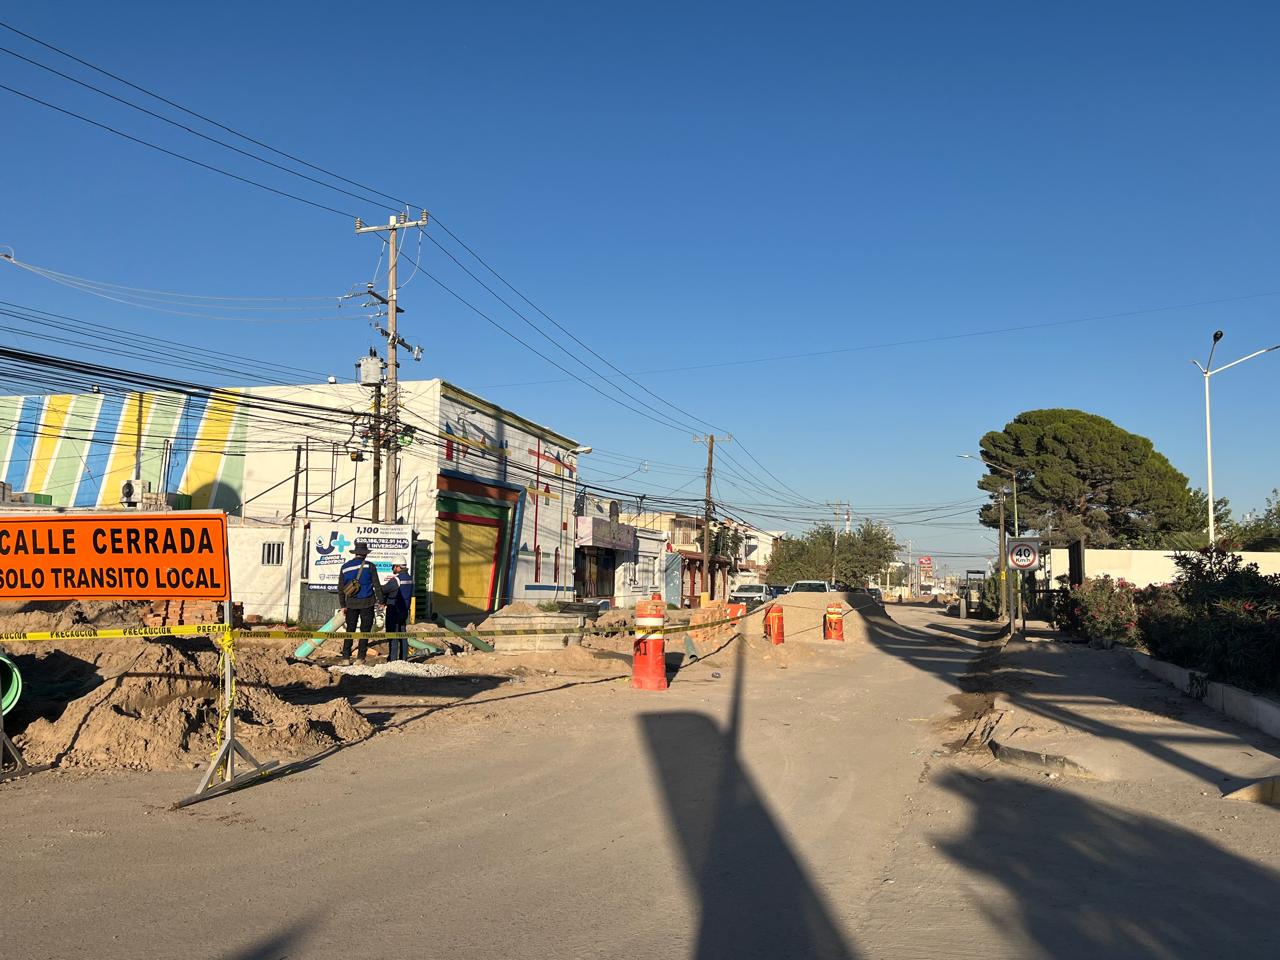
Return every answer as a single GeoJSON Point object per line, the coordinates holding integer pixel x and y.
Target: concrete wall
{"type": "Point", "coordinates": [1143, 567]}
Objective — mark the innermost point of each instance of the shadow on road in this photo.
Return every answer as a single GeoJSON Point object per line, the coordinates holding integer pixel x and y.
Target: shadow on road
{"type": "Point", "coordinates": [1091, 880]}
{"type": "Point", "coordinates": [280, 945]}
{"type": "Point", "coordinates": [1060, 697]}
{"type": "Point", "coordinates": [1088, 879]}
{"type": "Point", "coordinates": [756, 897]}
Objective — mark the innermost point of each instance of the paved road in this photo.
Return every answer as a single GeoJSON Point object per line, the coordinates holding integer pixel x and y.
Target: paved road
{"type": "Point", "coordinates": [812, 811]}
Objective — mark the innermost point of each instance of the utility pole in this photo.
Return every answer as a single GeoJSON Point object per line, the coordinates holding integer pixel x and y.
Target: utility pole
{"type": "Point", "coordinates": [370, 373]}
{"type": "Point", "coordinates": [1004, 560]}
{"type": "Point", "coordinates": [911, 568]}
{"type": "Point", "coordinates": [710, 441]}
{"type": "Point", "coordinates": [836, 508]}
{"type": "Point", "coordinates": [394, 225]}
{"type": "Point", "coordinates": [377, 450]}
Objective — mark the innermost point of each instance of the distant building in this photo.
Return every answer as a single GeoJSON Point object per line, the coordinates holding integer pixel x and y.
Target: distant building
{"type": "Point", "coordinates": [755, 554]}
{"type": "Point", "coordinates": [615, 560]}
{"type": "Point", "coordinates": [684, 533]}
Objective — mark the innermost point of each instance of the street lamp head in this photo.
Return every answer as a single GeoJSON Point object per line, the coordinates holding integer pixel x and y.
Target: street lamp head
{"type": "Point", "coordinates": [1217, 335]}
{"type": "Point", "coordinates": [581, 450]}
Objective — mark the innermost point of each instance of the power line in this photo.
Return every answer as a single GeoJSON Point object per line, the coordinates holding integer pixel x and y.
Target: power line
{"type": "Point", "coordinates": [183, 126]}
{"type": "Point", "coordinates": [175, 154]}
{"type": "Point", "coordinates": [200, 116]}
{"type": "Point", "coordinates": [659, 418]}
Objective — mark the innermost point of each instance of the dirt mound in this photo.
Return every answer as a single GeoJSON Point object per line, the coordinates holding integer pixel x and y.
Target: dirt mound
{"type": "Point", "coordinates": [614, 618]}
{"type": "Point", "coordinates": [40, 616]}
{"type": "Point", "coordinates": [149, 705]}
{"type": "Point", "coordinates": [518, 609]}
{"type": "Point", "coordinates": [802, 615]}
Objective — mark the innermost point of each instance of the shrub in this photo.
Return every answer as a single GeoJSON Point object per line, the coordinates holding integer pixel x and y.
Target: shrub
{"type": "Point", "coordinates": [1220, 616]}
{"type": "Point", "coordinates": [1101, 610]}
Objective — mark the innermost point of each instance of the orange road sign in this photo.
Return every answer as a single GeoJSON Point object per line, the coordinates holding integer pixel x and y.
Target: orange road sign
{"type": "Point", "coordinates": [101, 556]}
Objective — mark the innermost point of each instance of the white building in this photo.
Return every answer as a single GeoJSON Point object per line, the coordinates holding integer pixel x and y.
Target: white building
{"type": "Point", "coordinates": [488, 492]}
{"type": "Point", "coordinates": [755, 554]}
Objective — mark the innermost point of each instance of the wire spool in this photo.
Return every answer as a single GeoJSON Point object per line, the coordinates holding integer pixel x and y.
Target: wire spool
{"type": "Point", "coordinates": [10, 684]}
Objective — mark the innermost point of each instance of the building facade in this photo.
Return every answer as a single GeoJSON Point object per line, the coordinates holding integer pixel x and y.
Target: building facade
{"type": "Point", "coordinates": [684, 532]}
{"type": "Point", "coordinates": [616, 560]}
{"type": "Point", "coordinates": [489, 493]}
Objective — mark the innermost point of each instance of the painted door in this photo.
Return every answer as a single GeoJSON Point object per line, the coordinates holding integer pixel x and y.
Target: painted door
{"type": "Point", "coordinates": [468, 554]}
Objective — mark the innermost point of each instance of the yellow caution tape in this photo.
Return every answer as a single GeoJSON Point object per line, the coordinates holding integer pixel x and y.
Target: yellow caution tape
{"type": "Point", "coordinates": [219, 629]}
{"type": "Point", "coordinates": [92, 633]}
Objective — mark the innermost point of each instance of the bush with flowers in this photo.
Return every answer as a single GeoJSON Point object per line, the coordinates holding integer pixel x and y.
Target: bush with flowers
{"type": "Point", "coordinates": [1101, 610]}
{"type": "Point", "coordinates": [1220, 616]}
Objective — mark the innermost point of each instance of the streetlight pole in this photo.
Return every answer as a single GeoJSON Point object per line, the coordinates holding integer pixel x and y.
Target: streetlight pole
{"type": "Point", "coordinates": [1207, 371]}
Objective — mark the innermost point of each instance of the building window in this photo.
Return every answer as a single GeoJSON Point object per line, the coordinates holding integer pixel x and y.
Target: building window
{"type": "Point", "coordinates": [537, 564]}
{"type": "Point", "coordinates": [273, 554]}
{"type": "Point", "coordinates": [557, 564]}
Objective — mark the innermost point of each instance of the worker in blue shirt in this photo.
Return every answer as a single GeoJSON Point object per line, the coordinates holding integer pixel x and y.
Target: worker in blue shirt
{"type": "Point", "coordinates": [398, 591]}
{"type": "Point", "coordinates": [359, 591]}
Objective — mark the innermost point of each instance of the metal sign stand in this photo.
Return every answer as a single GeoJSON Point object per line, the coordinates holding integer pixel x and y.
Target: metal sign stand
{"type": "Point", "coordinates": [9, 750]}
{"type": "Point", "coordinates": [221, 777]}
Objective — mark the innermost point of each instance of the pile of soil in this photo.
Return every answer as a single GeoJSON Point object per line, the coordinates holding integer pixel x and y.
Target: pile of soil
{"type": "Point", "coordinates": [153, 704]}
{"type": "Point", "coordinates": [518, 609]}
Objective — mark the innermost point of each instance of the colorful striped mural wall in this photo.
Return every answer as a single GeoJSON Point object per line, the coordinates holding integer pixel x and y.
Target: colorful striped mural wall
{"type": "Point", "coordinates": [80, 448]}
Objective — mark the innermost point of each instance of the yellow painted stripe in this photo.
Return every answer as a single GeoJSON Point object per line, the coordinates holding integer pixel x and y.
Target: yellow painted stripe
{"type": "Point", "coordinates": [210, 446]}
{"type": "Point", "coordinates": [125, 442]}
{"type": "Point", "coordinates": [51, 424]}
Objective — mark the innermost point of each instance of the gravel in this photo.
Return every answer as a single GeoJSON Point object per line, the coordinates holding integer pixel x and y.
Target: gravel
{"type": "Point", "coordinates": [396, 668]}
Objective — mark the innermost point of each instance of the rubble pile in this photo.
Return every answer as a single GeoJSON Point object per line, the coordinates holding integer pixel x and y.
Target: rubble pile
{"type": "Point", "coordinates": [154, 704]}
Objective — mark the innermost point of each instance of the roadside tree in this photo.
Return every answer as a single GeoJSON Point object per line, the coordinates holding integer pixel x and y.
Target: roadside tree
{"type": "Point", "coordinates": [860, 556]}
{"type": "Point", "coordinates": [1079, 474]}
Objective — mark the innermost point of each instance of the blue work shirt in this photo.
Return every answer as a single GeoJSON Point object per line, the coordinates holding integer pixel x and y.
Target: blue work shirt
{"type": "Point", "coordinates": [398, 590]}
{"type": "Point", "coordinates": [362, 570]}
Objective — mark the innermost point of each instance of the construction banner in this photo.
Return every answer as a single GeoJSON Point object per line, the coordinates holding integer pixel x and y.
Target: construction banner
{"type": "Point", "coordinates": [130, 556]}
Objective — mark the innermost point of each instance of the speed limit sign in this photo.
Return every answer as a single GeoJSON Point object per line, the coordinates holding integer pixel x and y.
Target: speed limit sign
{"type": "Point", "coordinates": [1024, 553]}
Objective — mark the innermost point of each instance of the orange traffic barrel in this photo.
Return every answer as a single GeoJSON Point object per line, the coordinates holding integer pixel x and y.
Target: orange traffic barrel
{"type": "Point", "coordinates": [833, 622]}
{"type": "Point", "coordinates": [773, 628]}
{"type": "Point", "coordinates": [649, 653]}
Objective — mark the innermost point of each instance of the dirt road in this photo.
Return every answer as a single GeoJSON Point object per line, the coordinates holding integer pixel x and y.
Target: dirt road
{"type": "Point", "coordinates": [812, 811]}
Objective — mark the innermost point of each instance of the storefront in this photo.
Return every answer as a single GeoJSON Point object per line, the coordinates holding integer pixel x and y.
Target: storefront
{"type": "Point", "coordinates": [641, 572]}
{"type": "Point", "coordinates": [597, 546]}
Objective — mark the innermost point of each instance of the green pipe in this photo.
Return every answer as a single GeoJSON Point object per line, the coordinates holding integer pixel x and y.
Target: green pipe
{"type": "Point", "coordinates": [308, 646]}
{"type": "Point", "coordinates": [10, 684]}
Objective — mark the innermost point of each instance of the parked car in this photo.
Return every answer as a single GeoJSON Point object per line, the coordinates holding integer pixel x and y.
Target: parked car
{"type": "Point", "coordinates": [876, 595]}
{"type": "Point", "coordinates": [752, 594]}
{"type": "Point", "coordinates": [809, 586]}
{"type": "Point", "coordinates": [778, 589]}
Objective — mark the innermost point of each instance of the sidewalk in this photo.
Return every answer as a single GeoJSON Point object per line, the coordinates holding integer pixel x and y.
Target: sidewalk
{"type": "Point", "coordinates": [1077, 711]}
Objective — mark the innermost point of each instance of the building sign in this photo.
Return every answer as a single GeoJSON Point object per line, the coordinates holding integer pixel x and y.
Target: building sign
{"type": "Point", "coordinates": [331, 544]}
{"type": "Point", "coordinates": [606, 533]}
{"type": "Point", "coordinates": [132, 556]}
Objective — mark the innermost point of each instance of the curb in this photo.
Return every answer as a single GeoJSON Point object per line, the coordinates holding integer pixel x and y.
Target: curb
{"type": "Point", "coordinates": [1253, 710]}
{"type": "Point", "coordinates": [1040, 762]}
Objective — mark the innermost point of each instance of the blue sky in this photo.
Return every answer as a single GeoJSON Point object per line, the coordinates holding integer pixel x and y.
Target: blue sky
{"type": "Point", "coordinates": [695, 183]}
